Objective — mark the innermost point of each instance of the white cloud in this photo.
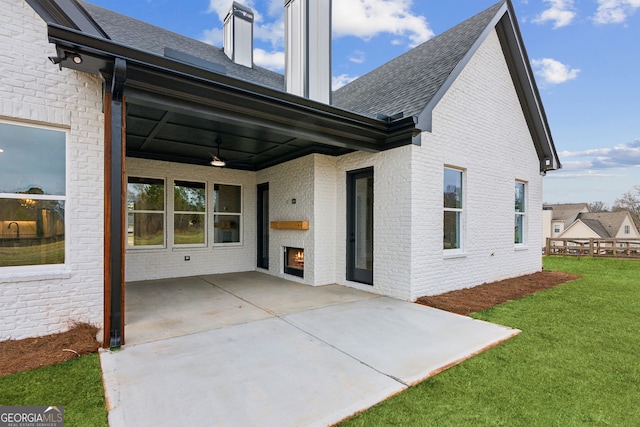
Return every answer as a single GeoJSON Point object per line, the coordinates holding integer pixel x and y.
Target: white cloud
{"type": "Point", "coordinates": [272, 32]}
{"type": "Point", "coordinates": [368, 18]}
{"type": "Point", "coordinates": [269, 30]}
{"type": "Point", "coordinates": [338, 81]}
{"type": "Point", "coordinates": [360, 18]}
{"type": "Point", "coordinates": [619, 156]}
{"type": "Point", "coordinates": [587, 174]}
{"type": "Point", "coordinates": [575, 165]}
{"type": "Point", "coordinates": [615, 11]}
{"type": "Point", "coordinates": [221, 7]}
{"type": "Point", "coordinates": [553, 72]}
{"type": "Point", "coordinates": [560, 12]}
{"type": "Point", "coordinates": [583, 153]}
{"type": "Point", "coordinates": [357, 57]}
{"type": "Point", "coordinates": [213, 36]}
{"type": "Point", "coordinates": [275, 8]}
{"type": "Point", "coordinates": [271, 60]}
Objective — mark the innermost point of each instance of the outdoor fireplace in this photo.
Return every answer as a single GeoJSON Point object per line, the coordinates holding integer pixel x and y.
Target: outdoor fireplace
{"type": "Point", "coordinates": [294, 261]}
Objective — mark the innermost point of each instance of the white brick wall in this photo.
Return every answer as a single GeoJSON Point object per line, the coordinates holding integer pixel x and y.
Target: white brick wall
{"type": "Point", "coordinates": [478, 126]}
{"type": "Point", "coordinates": [325, 219]}
{"type": "Point", "coordinates": [146, 264]}
{"type": "Point", "coordinates": [391, 219]}
{"type": "Point", "coordinates": [288, 181]}
{"type": "Point", "coordinates": [318, 183]}
{"type": "Point", "coordinates": [46, 299]}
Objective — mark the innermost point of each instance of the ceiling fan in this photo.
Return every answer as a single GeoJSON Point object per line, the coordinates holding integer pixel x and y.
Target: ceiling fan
{"type": "Point", "coordinates": [218, 161]}
{"type": "Point", "coordinates": [221, 162]}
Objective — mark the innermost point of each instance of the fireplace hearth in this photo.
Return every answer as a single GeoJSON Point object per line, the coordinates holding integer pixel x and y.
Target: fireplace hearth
{"type": "Point", "coordinates": [294, 261]}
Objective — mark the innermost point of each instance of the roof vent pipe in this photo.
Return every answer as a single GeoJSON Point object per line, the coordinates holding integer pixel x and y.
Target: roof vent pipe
{"type": "Point", "coordinates": [308, 49]}
{"type": "Point", "coordinates": [238, 35]}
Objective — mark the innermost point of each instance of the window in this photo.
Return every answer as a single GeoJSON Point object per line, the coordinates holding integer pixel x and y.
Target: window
{"type": "Point", "coordinates": [145, 212]}
{"type": "Point", "coordinates": [189, 219]}
{"type": "Point", "coordinates": [227, 218]}
{"type": "Point", "coordinates": [627, 229]}
{"type": "Point", "coordinates": [556, 229]}
{"type": "Point", "coordinates": [452, 192]}
{"type": "Point", "coordinates": [520, 212]}
{"type": "Point", "coordinates": [32, 195]}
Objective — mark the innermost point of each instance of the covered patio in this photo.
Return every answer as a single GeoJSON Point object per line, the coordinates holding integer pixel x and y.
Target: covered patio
{"type": "Point", "coordinates": [166, 308]}
{"type": "Point", "coordinates": [253, 349]}
{"type": "Point", "coordinates": [166, 107]}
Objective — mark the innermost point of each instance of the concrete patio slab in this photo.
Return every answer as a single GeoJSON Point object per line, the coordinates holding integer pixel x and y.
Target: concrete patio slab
{"type": "Point", "coordinates": [279, 296]}
{"type": "Point", "coordinates": [260, 350]}
{"type": "Point", "coordinates": [159, 309]}
{"type": "Point", "coordinates": [264, 373]}
{"type": "Point", "coordinates": [409, 342]}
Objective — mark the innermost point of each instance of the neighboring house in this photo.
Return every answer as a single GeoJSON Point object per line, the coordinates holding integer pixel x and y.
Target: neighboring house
{"type": "Point", "coordinates": [602, 225]}
{"type": "Point", "coordinates": [574, 221]}
{"type": "Point", "coordinates": [556, 218]}
{"type": "Point", "coordinates": [401, 183]}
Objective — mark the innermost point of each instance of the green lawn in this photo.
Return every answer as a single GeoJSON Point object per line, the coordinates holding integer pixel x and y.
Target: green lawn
{"type": "Point", "coordinates": [46, 253]}
{"type": "Point", "coordinates": [76, 385]}
{"type": "Point", "coordinates": [576, 363]}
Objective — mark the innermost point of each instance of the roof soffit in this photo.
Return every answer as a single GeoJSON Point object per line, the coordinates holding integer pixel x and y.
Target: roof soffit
{"type": "Point", "coordinates": [527, 89]}
{"type": "Point", "coordinates": [157, 80]}
{"type": "Point", "coordinates": [505, 23]}
{"type": "Point", "coordinates": [67, 13]}
{"type": "Point", "coordinates": [425, 118]}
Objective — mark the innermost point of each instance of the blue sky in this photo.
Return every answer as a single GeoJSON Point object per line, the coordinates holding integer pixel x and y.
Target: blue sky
{"type": "Point", "coordinates": [586, 56]}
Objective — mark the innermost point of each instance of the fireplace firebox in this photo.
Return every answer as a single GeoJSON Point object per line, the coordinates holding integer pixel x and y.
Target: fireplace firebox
{"type": "Point", "coordinates": [294, 261]}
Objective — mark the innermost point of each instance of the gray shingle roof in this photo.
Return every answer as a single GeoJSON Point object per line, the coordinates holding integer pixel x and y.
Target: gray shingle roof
{"type": "Point", "coordinates": [597, 227]}
{"type": "Point", "coordinates": [407, 83]}
{"type": "Point", "coordinates": [404, 84]}
{"type": "Point", "coordinates": [566, 211]}
{"type": "Point", "coordinates": [610, 222]}
{"type": "Point", "coordinates": [149, 38]}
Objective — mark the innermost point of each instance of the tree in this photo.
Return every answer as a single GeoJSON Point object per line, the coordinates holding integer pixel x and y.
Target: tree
{"type": "Point", "coordinates": [630, 201]}
{"type": "Point", "coordinates": [598, 206]}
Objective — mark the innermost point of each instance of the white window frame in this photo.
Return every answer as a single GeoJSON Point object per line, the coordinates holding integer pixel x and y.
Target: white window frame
{"type": "Point", "coordinates": [461, 210]}
{"type": "Point", "coordinates": [36, 268]}
{"type": "Point", "coordinates": [522, 214]}
{"type": "Point", "coordinates": [204, 214]}
{"type": "Point", "coordinates": [239, 215]}
{"type": "Point", "coordinates": [164, 214]}
{"type": "Point", "coordinates": [627, 229]}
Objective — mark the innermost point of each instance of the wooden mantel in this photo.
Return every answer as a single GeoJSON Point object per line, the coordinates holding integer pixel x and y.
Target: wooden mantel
{"type": "Point", "coordinates": [290, 225]}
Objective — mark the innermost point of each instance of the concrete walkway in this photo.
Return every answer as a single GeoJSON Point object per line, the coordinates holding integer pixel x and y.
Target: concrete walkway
{"type": "Point", "coordinates": [248, 349]}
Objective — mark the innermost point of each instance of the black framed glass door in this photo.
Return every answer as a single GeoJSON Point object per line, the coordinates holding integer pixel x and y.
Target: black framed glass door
{"type": "Point", "coordinates": [360, 226]}
{"type": "Point", "coordinates": [263, 226]}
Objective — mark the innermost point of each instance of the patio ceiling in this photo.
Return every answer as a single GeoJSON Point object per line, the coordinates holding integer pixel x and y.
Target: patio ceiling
{"type": "Point", "coordinates": [164, 134]}
{"type": "Point", "coordinates": [175, 111]}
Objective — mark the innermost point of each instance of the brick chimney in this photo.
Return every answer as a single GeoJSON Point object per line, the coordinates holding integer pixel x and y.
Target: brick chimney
{"type": "Point", "coordinates": [308, 49]}
{"type": "Point", "coordinates": [238, 35]}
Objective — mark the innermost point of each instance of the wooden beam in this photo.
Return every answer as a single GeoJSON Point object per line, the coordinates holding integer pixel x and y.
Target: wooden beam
{"type": "Point", "coordinates": [290, 225]}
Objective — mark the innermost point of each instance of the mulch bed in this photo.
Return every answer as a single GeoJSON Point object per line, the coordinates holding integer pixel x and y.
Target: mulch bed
{"type": "Point", "coordinates": [470, 300]}
{"type": "Point", "coordinates": [30, 353]}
